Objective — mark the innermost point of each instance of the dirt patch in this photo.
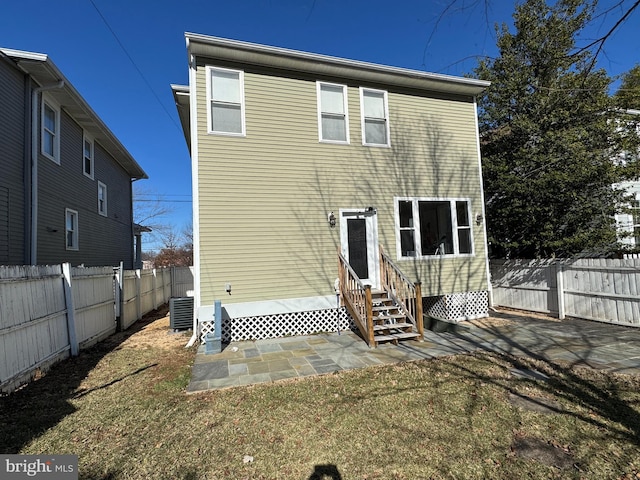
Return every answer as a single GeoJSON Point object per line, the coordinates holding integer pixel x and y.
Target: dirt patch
{"type": "Point", "coordinates": [543, 452]}
{"type": "Point", "coordinates": [156, 333]}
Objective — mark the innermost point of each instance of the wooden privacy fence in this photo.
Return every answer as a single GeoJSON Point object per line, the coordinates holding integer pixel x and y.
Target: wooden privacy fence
{"type": "Point", "coordinates": [606, 290]}
{"type": "Point", "coordinates": [50, 312]}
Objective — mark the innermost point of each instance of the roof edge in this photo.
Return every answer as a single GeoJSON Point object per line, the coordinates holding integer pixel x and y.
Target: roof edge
{"type": "Point", "coordinates": [202, 45]}
{"type": "Point", "coordinates": [23, 58]}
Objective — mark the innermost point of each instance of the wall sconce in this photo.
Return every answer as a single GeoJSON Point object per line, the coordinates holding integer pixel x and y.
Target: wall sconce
{"type": "Point", "coordinates": [331, 218]}
{"type": "Point", "coordinates": [371, 210]}
{"type": "Point", "coordinates": [478, 219]}
{"type": "Point", "coordinates": [227, 288]}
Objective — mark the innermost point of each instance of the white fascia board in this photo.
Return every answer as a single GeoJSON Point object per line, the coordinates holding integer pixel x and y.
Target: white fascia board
{"type": "Point", "coordinates": [295, 60]}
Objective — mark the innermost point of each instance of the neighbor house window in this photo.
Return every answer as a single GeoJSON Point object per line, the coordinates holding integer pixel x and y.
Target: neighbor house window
{"type": "Point", "coordinates": [635, 213]}
{"type": "Point", "coordinates": [50, 132]}
{"type": "Point", "coordinates": [87, 156]}
{"type": "Point", "coordinates": [333, 118]}
{"type": "Point", "coordinates": [433, 227]}
{"type": "Point", "coordinates": [71, 229]}
{"type": "Point", "coordinates": [375, 117]}
{"type": "Point", "coordinates": [102, 199]}
{"type": "Point", "coordinates": [226, 97]}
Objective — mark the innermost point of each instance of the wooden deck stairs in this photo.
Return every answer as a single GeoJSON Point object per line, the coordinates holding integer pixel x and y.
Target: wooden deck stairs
{"type": "Point", "coordinates": [390, 313]}
{"type": "Point", "coordinates": [390, 324]}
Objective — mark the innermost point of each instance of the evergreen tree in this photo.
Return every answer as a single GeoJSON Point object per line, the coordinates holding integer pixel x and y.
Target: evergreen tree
{"type": "Point", "coordinates": [548, 137]}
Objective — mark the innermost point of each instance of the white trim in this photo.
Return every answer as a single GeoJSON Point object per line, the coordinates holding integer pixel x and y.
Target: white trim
{"type": "Point", "coordinates": [76, 236]}
{"type": "Point", "coordinates": [385, 99]}
{"type": "Point", "coordinates": [482, 205]}
{"type": "Point", "coordinates": [193, 119]}
{"type": "Point", "coordinates": [272, 307]}
{"type": "Point", "coordinates": [373, 250]}
{"type": "Point", "coordinates": [345, 102]}
{"type": "Point", "coordinates": [87, 138]}
{"type": "Point", "coordinates": [103, 211]}
{"type": "Point", "coordinates": [56, 134]}
{"type": "Point", "coordinates": [208, 70]}
{"type": "Point", "coordinates": [416, 227]}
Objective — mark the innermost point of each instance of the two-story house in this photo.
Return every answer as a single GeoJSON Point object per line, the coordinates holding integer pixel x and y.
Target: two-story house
{"type": "Point", "coordinates": [313, 174]}
{"type": "Point", "coordinates": [66, 183]}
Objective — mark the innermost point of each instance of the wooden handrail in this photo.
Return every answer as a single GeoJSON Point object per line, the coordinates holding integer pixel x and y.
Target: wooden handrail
{"type": "Point", "coordinates": [356, 297]}
{"type": "Point", "coordinates": [407, 294]}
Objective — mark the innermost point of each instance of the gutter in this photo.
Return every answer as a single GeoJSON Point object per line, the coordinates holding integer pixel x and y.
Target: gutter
{"type": "Point", "coordinates": [33, 251]}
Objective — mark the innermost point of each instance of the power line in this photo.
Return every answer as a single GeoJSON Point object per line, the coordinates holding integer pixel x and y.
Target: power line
{"type": "Point", "coordinates": [144, 79]}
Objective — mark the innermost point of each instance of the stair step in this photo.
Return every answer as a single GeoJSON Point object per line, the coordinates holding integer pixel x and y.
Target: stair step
{"type": "Point", "coordinates": [394, 337]}
{"type": "Point", "coordinates": [382, 308]}
{"type": "Point", "coordinates": [392, 326]}
{"type": "Point", "coordinates": [391, 316]}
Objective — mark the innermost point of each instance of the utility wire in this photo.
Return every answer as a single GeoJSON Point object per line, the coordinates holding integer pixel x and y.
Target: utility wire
{"type": "Point", "coordinates": [135, 66]}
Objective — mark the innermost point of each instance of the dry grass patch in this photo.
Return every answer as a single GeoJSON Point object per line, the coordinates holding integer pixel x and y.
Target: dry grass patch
{"type": "Point", "coordinates": [122, 408]}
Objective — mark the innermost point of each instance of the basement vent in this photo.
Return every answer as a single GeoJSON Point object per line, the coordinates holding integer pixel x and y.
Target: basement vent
{"type": "Point", "coordinates": [181, 313]}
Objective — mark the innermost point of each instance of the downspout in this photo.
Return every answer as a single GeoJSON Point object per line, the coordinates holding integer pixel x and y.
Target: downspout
{"type": "Point", "coordinates": [33, 251]}
{"type": "Point", "coordinates": [135, 261]}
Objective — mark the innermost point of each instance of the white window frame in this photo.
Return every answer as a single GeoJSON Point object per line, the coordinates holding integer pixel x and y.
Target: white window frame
{"type": "Point", "coordinates": [345, 102]}
{"type": "Point", "coordinates": [75, 244]}
{"type": "Point", "coordinates": [87, 139]}
{"type": "Point", "coordinates": [102, 208]}
{"type": "Point", "coordinates": [209, 71]}
{"type": "Point", "coordinates": [386, 117]}
{"type": "Point", "coordinates": [455, 228]}
{"type": "Point", "coordinates": [55, 155]}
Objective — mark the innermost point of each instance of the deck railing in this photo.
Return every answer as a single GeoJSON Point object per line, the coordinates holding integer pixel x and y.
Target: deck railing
{"type": "Point", "coordinates": [407, 294]}
{"type": "Point", "coordinates": [356, 297]}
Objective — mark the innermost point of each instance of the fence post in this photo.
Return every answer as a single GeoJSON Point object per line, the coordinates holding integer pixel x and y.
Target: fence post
{"type": "Point", "coordinates": [154, 287]}
{"type": "Point", "coordinates": [118, 280]}
{"type": "Point", "coordinates": [560, 288]}
{"type": "Point", "coordinates": [71, 313]}
{"type": "Point", "coordinates": [138, 296]}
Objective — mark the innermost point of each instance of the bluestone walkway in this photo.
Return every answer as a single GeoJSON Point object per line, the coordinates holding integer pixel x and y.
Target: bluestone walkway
{"type": "Point", "coordinates": [583, 342]}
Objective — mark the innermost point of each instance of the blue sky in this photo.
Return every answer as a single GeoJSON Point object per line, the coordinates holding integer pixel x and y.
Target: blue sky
{"type": "Point", "coordinates": [421, 35]}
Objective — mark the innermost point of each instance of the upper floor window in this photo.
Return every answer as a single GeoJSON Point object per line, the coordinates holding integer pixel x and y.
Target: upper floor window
{"type": "Point", "coordinates": [102, 199]}
{"type": "Point", "coordinates": [431, 227]}
{"type": "Point", "coordinates": [71, 229]}
{"type": "Point", "coordinates": [87, 156]}
{"type": "Point", "coordinates": [333, 116]}
{"type": "Point", "coordinates": [375, 117]}
{"type": "Point", "coordinates": [50, 131]}
{"type": "Point", "coordinates": [226, 97]}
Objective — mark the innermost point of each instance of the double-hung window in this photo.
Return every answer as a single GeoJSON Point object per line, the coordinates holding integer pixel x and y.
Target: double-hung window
{"type": "Point", "coordinates": [333, 116]}
{"type": "Point", "coordinates": [71, 229]}
{"type": "Point", "coordinates": [375, 117]}
{"type": "Point", "coordinates": [50, 131]}
{"type": "Point", "coordinates": [226, 101]}
{"type": "Point", "coordinates": [433, 227]}
{"type": "Point", "coordinates": [102, 199]}
{"type": "Point", "coordinates": [87, 156]}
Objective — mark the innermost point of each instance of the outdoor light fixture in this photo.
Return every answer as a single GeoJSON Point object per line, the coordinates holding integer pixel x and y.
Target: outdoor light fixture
{"type": "Point", "coordinates": [478, 219]}
{"type": "Point", "coordinates": [332, 220]}
{"type": "Point", "coordinates": [371, 210]}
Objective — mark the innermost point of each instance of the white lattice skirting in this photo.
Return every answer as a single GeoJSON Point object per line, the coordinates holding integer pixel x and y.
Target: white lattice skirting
{"type": "Point", "coordinates": [457, 307]}
{"type": "Point", "coordinates": [281, 325]}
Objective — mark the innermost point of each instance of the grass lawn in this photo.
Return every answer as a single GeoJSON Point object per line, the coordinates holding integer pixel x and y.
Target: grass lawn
{"type": "Point", "coordinates": [121, 407]}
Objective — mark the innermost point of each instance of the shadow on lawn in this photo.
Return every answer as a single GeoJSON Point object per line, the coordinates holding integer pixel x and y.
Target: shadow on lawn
{"type": "Point", "coordinates": [30, 411]}
{"type": "Point", "coordinates": [599, 397]}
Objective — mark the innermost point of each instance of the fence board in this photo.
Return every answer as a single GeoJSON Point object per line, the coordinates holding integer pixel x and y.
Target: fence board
{"type": "Point", "coordinates": [606, 290]}
{"type": "Point", "coordinates": [34, 329]}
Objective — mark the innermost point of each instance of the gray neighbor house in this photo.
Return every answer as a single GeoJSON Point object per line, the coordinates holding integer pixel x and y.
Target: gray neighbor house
{"type": "Point", "coordinates": [66, 181]}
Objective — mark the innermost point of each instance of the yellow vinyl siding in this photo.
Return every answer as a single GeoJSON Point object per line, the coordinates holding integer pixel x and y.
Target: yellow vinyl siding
{"type": "Point", "coordinates": [264, 198]}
